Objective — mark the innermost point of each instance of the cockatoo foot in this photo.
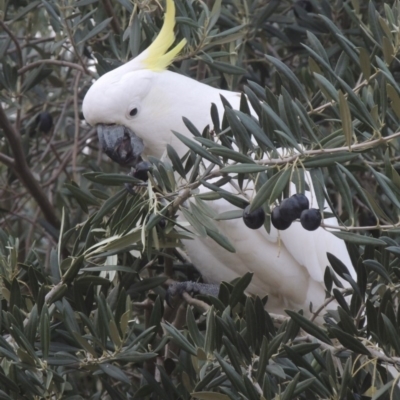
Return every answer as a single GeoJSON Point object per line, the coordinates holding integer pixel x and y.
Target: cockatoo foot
{"type": "Point", "coordinates": [193, 288]}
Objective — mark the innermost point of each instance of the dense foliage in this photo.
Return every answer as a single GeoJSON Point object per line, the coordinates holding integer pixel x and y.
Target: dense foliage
{"type": "Point", "coordinates": [85, 263]}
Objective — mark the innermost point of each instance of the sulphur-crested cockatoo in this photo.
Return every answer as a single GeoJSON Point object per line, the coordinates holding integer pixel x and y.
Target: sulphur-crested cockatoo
{"type": "Point", "coordinates": [143, 97]}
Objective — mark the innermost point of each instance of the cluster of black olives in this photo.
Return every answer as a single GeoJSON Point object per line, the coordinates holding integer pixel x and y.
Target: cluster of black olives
{"type": "Point", "coordinates": [282, 216]}
{"type": "Point", "coordinates": [296, 206]}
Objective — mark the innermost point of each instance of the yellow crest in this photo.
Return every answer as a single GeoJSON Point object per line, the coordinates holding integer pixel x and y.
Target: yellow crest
{"type": "Point", "coordinates": [158, 58]}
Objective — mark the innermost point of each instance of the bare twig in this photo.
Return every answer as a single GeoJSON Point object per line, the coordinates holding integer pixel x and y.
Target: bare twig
{"type": "Point", "coordinates": [168, 264]}
{"type": "Point", "coordinates": [72, 41]}
{"type": "Point", "coordinates": [110, 12]}
{"type": "Point", "coordinates": [361, 228]}
{"type": "Point", "coordinates": [181, 198]}
{"type": "Point", "coordinates": [61, 63]}
{"type": "Point", "coordinates": [359, 146]}
{"type": "Point", "coordinates": [56, 127]}
{"type": "Point", "coordinates": [355, 90]}
{"type": "Point", "coordinates": [180, 317]}
{"type": "Point", "coordinates": [53, 291]}
{"type": "Point", "coordinates": [55, 152]}
{"type": "Point", "coordinates": [328, 301]}
{"type": "Point", "coordinates": [337, 349]}
{"type": "Point", "coordinates": [185, 191]}
{"type": "Point", "coordinates": [31, 231]}
{"type": "Point", "coordinates": [30, 43]}
{"type": "Point", "coordinates": [10, 162]}
{"type": "Point", "coordinates": [26, 218]}
{"type": "Point", "coordinates": [67, 158]}
{"type": "Point", "coordinates": [20, 63]}
{"type": "Point", "coordinates": [76, 119]}
{"type": "Point", "coordinates": [15, 40]}
{"type": "Point", "coordinates": [142, 305]}
{"type": "Point", "coordinates": [23, 171]}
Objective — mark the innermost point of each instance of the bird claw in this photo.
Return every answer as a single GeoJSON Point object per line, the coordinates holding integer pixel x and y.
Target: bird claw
{"type": "Point", "coordinates": [193, 288]}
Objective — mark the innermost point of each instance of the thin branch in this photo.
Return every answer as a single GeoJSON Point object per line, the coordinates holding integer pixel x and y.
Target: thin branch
{"type": "Point", "coordinates": [168, 264]}
{"type": "Point", "coordinates": [76, 118]}
{"type": "Point", "coordinates": [181, 198]}
{"type": "Point", "coordinates": [359, 146]}
{"type": "Point", "coordinates": [71, 39]}
{"type": "Point", "coordinates": [56, 128]}
{"type": "Point", "coordinates": [55, 152]}
{"type": "Point", "coordinates": [31, 43]}
{"type": "Point", "coordinates": [66, 159]}
{"type": "Point", "coordinates": [31, 232]}
{"type": "Point", "coordinates": [361, 228]}
{"type": "Point", "coordinates": [21, 168]}
{"type": "Point", "coordinates": [146, 304]}
{"type": "Point", "coordinates": [289, 159]}
{"type": "Point", "coordinates": [53, 62]}
{"type": "Point", "coordinates": [110, 12]}
{"type": "Point", "coordinates": [337, 349]}
{"type": "Point", "coordinates": [19, 216]}
{"type": "Point", "coordinates": [53, 291]}
{"type": "Point", "coordinates": [20, 64]}
{"type": "Point", "coordinates": [355, 90]}
{"type": "Point", "coordinates": [10, 162]}
{"type": "Point", "coordinates": [344, 292]}
{"type": "Point", "coordinates": [15, 40]}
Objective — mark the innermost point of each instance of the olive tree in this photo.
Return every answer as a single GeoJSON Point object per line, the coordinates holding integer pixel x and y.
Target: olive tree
{"type": "Point", "coordinates": [87, 251]}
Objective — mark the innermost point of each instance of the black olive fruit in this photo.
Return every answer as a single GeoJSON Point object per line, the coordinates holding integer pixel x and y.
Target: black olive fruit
{"type": "Point", "coordinates": [277, 221]}
{"type": "Point", "coordinates": [141, 170]}
{"type": "Point", "coordinates": [306, 5]}
{"type": "Point", "coordinates": [311, 219]}
{"type": "Point", "coordinates": [254, 219]}
{"type": "Point", "coordinates": [44, 122]}
{"type": "Point", "coordinates": [290, 209]}
{"type": "Point", "coordinates": [302, 200]}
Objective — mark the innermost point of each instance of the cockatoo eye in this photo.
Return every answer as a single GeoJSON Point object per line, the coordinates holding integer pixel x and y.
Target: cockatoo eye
{"type": "Point", "coordinates": [133, 110]}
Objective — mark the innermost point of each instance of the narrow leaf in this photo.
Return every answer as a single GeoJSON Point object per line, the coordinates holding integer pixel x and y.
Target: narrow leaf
{"type": "Point", "coordinates": [349, 341]}
{"type": "Point", "coordinates": [97, 29]}
{"type": "Point", "coordinates": [345, 116]}
{"type": "Point", "coordinates": [309, 326]}
{"type": "Point", "coordinates": [196, 148]}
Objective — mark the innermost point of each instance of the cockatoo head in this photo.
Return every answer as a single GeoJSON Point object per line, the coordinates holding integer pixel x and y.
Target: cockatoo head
{"type": "Point", "coordinates": [131, 105]}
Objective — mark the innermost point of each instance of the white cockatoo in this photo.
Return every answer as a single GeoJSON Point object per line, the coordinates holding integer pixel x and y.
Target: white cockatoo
{"type": "Point", "coordinates": [143, 97]}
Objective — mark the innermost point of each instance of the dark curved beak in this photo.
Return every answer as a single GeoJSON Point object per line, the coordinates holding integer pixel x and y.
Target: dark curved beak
{"type": "Point", "coordinates": [120, 144]}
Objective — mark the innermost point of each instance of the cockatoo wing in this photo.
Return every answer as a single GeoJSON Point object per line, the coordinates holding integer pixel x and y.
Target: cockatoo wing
{"type": "Point", "coordinates": [287, 265]}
